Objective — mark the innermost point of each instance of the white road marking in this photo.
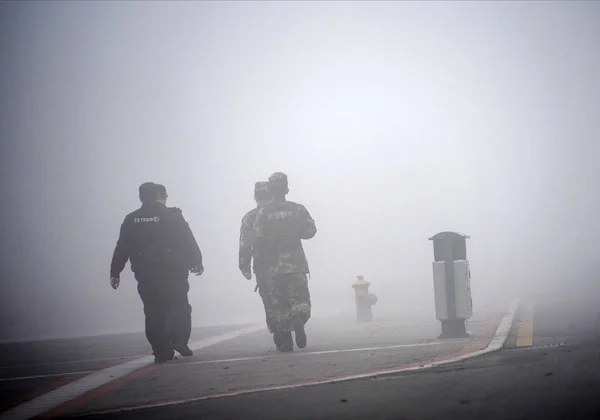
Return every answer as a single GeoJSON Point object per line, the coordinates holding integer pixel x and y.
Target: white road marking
{"type": "Point", "coordinates": [311, 353]}
{"type": "Point", "coordinates": [68, 362]}
{"type": "Point", "coordinates": [59, 396]}
{"type": "Point", "coordinates": [495, 344]}
{"type": "Point", "coordinates": [49, 375]}
{"type": "Point", "coordinates": [243, 359]}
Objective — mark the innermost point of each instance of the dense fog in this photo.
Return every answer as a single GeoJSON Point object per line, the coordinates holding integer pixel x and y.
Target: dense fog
{"type": "Point", "coordinates": [392, 120]}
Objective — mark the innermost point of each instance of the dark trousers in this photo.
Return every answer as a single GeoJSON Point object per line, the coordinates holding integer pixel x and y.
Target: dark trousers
{"type": "Point", "coordinates": [167, 309]}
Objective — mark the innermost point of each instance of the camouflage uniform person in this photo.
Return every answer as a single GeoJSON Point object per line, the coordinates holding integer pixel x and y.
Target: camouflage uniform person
{"type": "Point", "coordinates": [246, 254]}
{"type": "Point", "coordinates": [278, 232]}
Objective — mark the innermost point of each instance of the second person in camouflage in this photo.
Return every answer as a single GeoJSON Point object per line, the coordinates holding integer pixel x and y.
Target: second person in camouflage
{"type": "Point", "coordinates": [247, 257]}
{"type": "Point", "coordinates": [279, 230]}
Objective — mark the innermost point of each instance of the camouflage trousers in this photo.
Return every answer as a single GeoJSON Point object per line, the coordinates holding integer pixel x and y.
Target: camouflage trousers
{"type": "Point", "coordinates": [265, 287]}
{"type": "Point", "coordinates": [286, 298]}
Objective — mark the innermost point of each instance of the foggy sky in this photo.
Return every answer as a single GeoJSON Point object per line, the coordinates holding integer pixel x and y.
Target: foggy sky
{"type": "Point", "coordinates": [393, 121]}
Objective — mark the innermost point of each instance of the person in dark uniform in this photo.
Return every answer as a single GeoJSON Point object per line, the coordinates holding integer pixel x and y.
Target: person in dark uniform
{"type": "Point", "coordinates": [162, 251]}
{"type": "Point", "coordinates": [162, 198]}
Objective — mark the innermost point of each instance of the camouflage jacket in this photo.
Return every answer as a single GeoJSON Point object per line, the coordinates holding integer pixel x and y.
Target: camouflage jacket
{"type": "Point", "coordinates": [279, 229]}
{"type": "Point", "coordinates": [246, 242]}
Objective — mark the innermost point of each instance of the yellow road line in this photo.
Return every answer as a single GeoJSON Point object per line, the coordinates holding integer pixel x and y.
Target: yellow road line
{"type": "Point", "coordinates": [525, 331]}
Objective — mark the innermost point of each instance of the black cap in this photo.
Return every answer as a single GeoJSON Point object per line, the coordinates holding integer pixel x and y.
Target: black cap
{"type": "Point", "coordinates": [148, 192]}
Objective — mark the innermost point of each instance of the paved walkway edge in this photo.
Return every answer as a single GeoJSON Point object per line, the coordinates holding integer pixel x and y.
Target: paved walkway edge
{"type": "Point", "coordinates": [66, 393]}
{"type": "Point", "coordinates": [495, 344]}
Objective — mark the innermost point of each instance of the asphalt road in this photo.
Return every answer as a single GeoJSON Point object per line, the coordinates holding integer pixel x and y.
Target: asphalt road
{"type": "Point", "coordinates": [30, 369]}
{"type": "Point", "coordinates": [553, 383]}
{"type": "Point", "coordinates": [551, 370]}
{"type": "Point", "coordinates": [556, 377]}
{"type": "Point", "coordinates": [337, 348]}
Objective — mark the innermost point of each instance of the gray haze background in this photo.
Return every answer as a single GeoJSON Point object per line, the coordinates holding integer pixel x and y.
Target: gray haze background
{"type": "Point", "coordinates": [393, 120]}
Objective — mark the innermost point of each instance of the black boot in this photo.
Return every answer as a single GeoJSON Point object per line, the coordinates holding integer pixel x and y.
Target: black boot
{"type": "Point", "coordinates": [183, 349]}
{"type": "Point", "coordinates": [300, 332]}
{"type": "Point", "coordinates": [163, 357]}
{"type": "Point", "coordinates": [163, 352]}
{"type": "Point", "coordinates": [287, 343]}
{"type": "Point", "coordinates": [278, 339]}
